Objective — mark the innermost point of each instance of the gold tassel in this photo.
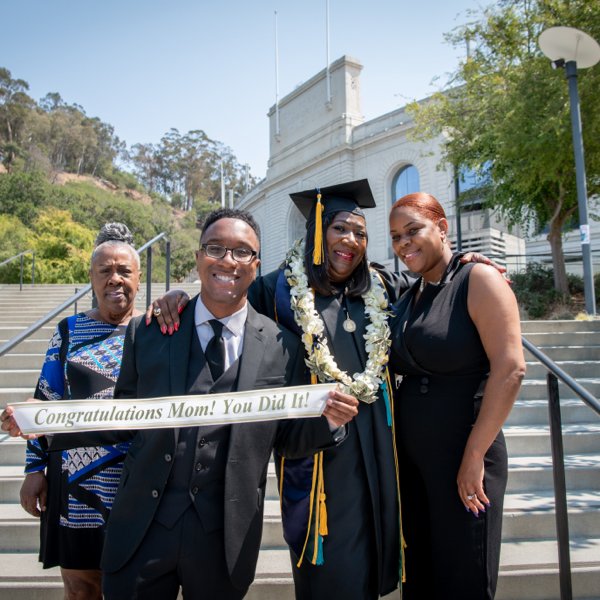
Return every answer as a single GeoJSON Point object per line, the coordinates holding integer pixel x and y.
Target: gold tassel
{"type": "Point", "coordinates": [318, 250]}
{"type": "Point", "coordinates": [281, 478]}
{"type": "Point", "coordinates": [322, 496]}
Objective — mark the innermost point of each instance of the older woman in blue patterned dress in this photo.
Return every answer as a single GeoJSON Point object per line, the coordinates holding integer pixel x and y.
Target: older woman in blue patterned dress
{"type": "Point", "coordinates": [73, 490]}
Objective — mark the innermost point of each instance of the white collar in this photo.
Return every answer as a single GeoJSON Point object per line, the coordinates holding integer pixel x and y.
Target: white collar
{"type": "Point", "coordinates": [234, 322]}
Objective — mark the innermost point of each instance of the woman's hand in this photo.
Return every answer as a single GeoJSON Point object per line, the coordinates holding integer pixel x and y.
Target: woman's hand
{"type": "Point", "coordinates": [470, 484]}
{"type": "Point", "coordinates": [34, 493]}
{"type": "Point", "coordinates": [167, 309]}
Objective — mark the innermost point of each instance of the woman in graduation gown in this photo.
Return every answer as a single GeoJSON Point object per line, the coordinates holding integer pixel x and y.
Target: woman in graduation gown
{"type": "Point", "coordinates": [357, 553]}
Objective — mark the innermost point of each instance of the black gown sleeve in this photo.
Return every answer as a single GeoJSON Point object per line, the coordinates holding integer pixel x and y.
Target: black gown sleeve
{"type": "Point", "coordinates": [261, 294]}
{"type": "Point", "coordinates": [395, 283]}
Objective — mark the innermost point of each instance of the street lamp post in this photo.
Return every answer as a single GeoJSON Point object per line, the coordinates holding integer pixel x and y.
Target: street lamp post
{"type": "Point", "coordinates": [572, 49]}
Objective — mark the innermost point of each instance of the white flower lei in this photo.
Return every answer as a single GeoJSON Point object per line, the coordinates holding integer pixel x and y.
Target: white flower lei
{"type": "Point", "coordinates": [363, 385]}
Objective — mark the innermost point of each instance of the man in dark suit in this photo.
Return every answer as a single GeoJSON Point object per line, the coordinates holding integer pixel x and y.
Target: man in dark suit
{"type": "Point", "coordinates": [189, 508]}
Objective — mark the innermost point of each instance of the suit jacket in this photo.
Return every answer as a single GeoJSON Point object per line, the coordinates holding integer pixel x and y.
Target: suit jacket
{"type": "Point", "coordinates": [156, 365]}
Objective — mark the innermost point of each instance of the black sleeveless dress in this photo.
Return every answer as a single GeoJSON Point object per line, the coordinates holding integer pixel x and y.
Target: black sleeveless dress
{"type": "Point", "coordinates": [436, 348]}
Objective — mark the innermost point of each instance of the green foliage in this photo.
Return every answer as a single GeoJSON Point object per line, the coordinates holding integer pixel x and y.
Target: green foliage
{"type": "Point", "coordinates": [184, 244]}
{"type": "Point", "coordinates": [22, 195]}
{"type": "Point", "coordinates": [123, 179]}
{"type": "Point", "coordinates": [63, 248]}
{"type": "Point", "coordinates": [506, 114]}
{"type": "Point", "coordinates": [14, 239]}
{"type": "Point", "coordinates": [14, 236]}
{"type": "Point", "coordinates": [93, 207]}
{"type": "Point", "coordinates": [534, 289]}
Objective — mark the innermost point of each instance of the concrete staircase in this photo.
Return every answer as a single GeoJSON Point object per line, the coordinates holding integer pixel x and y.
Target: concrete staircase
{"type": "Point", "coordinates": [529, 554]}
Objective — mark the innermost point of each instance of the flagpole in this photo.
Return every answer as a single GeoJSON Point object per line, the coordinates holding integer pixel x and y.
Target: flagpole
{"type": "Point", "coordinates": [327, 51]}
{"type": "Point", "coordinates": [276, 80]}
{"type": "Point", "coordinates": [222, 185]}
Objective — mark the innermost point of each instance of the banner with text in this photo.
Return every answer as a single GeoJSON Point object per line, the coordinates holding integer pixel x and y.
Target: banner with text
{"type": "Point", "coordinates": [66, 416]}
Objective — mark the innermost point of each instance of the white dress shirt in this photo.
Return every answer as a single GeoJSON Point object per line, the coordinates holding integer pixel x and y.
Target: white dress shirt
{"type": "Point", "coordinates": [233, 330]}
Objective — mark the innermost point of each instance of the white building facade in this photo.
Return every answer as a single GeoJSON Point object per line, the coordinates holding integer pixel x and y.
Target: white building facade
{"type": "Point", "coordinates": [315, 143]}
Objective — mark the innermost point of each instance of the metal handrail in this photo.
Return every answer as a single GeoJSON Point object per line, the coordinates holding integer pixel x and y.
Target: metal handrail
{"type": "Point", "coordinates": [10, 344]}
{"type": "Point", "coordinates": [558, 459]}
{"type": "Point", "coordinates": [148, 247]}
{"type": "Point", "coordinates": [20, 255]}
{"type": "Point", "coordinates": [588, 398]}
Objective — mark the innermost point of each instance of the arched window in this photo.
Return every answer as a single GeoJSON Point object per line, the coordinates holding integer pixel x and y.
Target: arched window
{"type": "Point", "coordinates": [406, 181]}
{"type": "Point", "coordinates": [296, 226]}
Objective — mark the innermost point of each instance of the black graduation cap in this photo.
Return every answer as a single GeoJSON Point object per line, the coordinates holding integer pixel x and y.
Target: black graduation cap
{"type": "Point", "coordinates": [350, 197]}
{"type": "Point", "coordinates": [317, 203]}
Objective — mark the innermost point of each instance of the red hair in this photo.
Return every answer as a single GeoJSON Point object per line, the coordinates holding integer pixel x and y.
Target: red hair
{"type": "Point", "coordinates": [425, 204]}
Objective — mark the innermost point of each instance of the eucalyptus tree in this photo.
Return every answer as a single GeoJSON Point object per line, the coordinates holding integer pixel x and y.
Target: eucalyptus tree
{"type": "Point", "coordinates": [15, 105]}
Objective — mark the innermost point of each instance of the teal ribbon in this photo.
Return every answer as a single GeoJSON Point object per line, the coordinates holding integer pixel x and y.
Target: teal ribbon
{"type": "Point", "coordinates": [386, 398]}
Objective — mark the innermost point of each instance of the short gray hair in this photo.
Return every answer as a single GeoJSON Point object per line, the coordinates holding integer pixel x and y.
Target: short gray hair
{"type": "Point", "coordinates": [113, 234]}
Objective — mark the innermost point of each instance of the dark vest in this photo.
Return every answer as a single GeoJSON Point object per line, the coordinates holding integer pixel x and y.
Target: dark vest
{"type": "Point", "coordinates": [198, 473]}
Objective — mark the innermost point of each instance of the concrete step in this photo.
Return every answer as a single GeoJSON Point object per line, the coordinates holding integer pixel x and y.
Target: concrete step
{"type": "Point", "coordinates": [15, 394]}
{"type": "Point", "coordinates": [21, 361]}
{"type": "Point", "coordinates": [19, 378]}
{"type": "Point", "coordinates": [19, 531]}
{"type": "Point", "coordinates": [8, 332]}
{"type": "Point", "coordinates": [568, 353]}
{"type": "Point", "coordinates": [566, 338]}
{"type": "Point", "coordinates": [530, 515]}
{"type": "Point", "coordinates": [30, 346]}
{"type": "Point", "coordinates": [534, 412]}
{"type": "Point", "coordinates": [535, 571]}
{"type": "Point", "coordinates": [535, 389]}
{"type": "Point", "coordinates": [529, 327]}
{"type": "Point", "coordinates": [575, 368]}
{"type": "Point", "coordinates": [528, 440]}
{"type": "Point", "coordinates": [534, 473]}
{"type": "Point", "coordinates": [11, 479]}
{"type": "Point", "coordinates": [535, 563]}
{"type": "Point", "coordinates": [527, 516]}
{"type": "Point", "coordinates": [12, 451]}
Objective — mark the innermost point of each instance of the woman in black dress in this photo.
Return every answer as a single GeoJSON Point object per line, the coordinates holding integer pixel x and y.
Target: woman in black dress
{"type": "Point", "coordinates": [456, 342]}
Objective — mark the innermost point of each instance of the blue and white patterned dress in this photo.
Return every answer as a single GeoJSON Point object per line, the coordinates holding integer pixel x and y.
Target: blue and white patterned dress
{"type": "Point", "coordinates": [82, 482]}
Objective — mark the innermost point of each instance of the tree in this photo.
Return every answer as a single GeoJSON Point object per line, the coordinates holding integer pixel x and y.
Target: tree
{"type": "Point", "coordinates": [23, 195]}
{"type": "Point", "coordinates": [505, 115]}
{"type": "Point", "coordinates": [14, 238]}
{"type": "Point", "coordinates": [187, 168]}
{"type": "Point", "coordinates": [15, 105]}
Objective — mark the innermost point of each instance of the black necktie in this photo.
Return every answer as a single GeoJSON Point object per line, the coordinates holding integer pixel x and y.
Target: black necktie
{"type": "Point", "coordinates": [215, 350]}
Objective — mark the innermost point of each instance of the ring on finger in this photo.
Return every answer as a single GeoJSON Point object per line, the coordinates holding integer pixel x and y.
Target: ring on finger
{"type": "Point", "coordinates": [471, 496]}
{"type": "Point", "coordinates": [156, 311]}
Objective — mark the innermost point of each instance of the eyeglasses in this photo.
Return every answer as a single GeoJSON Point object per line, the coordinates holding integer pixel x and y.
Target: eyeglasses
{"type": "Point", "coordinates": [241, 254]}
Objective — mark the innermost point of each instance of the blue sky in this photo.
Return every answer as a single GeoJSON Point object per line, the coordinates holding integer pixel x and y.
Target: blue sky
{"type": "Point", "coordinates": [145, 66]}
